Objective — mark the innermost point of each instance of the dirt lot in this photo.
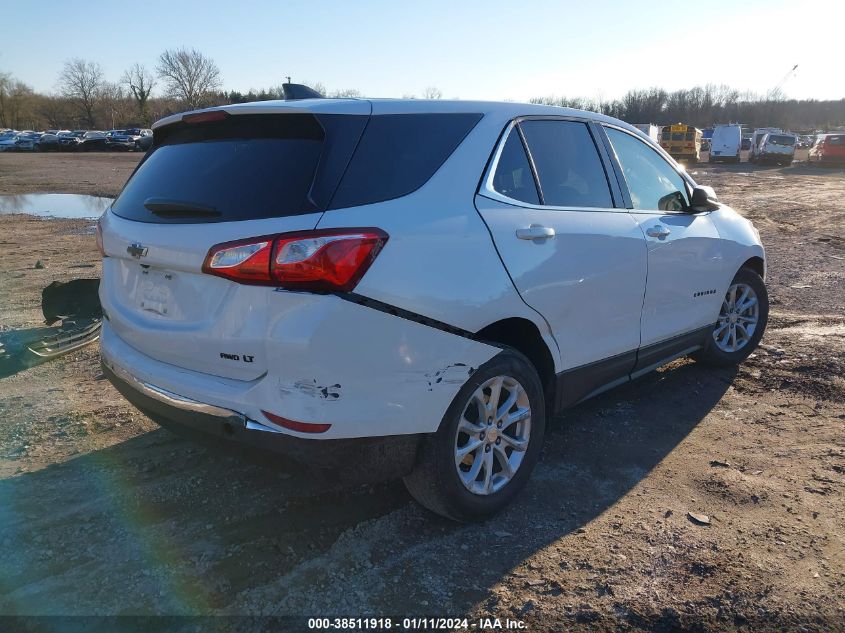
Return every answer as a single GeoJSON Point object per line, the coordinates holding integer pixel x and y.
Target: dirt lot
{"type": "Point", "coordinates": [102, 512]}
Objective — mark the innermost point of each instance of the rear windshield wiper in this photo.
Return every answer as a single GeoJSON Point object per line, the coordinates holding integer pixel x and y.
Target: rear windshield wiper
{"type": "Point", "coordinates": [179, 208]}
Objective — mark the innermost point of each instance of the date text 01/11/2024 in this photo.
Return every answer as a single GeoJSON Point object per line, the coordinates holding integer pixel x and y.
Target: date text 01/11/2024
{"type": "Point", "coordinates": [415, 624]}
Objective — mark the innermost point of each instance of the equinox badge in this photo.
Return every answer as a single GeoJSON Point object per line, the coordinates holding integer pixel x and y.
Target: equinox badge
{"type": "Point", "coordinates": [137, 250]}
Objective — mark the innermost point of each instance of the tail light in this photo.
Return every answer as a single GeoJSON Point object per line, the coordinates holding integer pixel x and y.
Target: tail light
{"type": "Point", "coordinates": [330, 260]}
{"type": "Point", "coordinates": [98, 233]}
{"type": "Point", "coordinates": [293, 425]}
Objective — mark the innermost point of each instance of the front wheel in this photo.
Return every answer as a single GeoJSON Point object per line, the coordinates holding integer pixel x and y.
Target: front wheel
{"type": "Point", "coordinates": [487, 445]}
{"type": "Point", "coordinates": [741, 323]}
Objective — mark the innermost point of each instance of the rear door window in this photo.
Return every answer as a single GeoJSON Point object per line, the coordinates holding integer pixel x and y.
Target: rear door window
{"type": "Point", "coordinates": [568, 164]}
{"type": "Point", "coordinates": [513, 177]}
{"type": "Point", "coordinates": [399, 153]}
{"type": "Point", "coordinates": [653, 183]}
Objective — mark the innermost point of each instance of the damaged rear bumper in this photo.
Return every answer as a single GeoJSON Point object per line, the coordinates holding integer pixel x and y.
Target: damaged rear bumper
{"type": "Point", "coordinates": [376, 457]}
{"type": "Point", "coordinates": [327, 362]}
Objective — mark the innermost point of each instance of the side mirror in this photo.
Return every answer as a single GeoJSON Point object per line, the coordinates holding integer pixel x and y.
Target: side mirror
{"type": "Point", "coordinates": [704, 199]}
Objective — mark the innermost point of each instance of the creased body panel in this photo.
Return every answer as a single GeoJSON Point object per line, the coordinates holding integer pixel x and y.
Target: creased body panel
{"type": "Point", "coordinates": [365, 372]}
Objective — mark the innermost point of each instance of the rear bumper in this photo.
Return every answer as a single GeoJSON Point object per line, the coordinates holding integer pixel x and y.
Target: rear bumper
{"type": "Point", "coordinates": [358, 459]}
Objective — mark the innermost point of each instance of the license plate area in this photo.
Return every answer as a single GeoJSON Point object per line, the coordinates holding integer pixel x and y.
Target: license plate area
{"type": "Point", "coordinates": [156, 291]}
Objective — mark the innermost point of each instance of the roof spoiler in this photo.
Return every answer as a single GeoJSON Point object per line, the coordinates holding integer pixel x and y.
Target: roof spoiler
{"type": "Point", "coordinates": [294, 92]}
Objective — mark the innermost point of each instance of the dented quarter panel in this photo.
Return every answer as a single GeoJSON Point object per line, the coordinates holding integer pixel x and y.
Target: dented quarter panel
{"type": "Point", "coordinates": [386, 375]}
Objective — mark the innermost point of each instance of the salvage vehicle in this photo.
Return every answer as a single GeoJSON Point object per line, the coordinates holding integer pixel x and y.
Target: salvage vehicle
{"type": "Point", "coordinates": [776, 148]}
{"type": "Point", "coordinates": [48, 142]}
{"type": "Point", "coordinates": [92, 141]}
{"type": "Point", "coordinates": [726, 143]}
{"type": "Point", "coordinates": [682, 142]}
{"type": "Point", "coordinates": [827, 149]}
{"type": "Point", "coordinates": [757, 137]}
{"type": "Point", "coordinates": [414, 287]}
{"type": "Point", "coordinates": [129, 139]}
{"type": "Point", "coordinates": [69, 141]}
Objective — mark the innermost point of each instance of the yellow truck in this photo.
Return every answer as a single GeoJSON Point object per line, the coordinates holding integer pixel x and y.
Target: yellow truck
{"type": "Point", "coordinates": [682, 142]}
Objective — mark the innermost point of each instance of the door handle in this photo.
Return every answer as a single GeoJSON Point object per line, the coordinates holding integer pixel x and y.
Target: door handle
{"type": "Point", "coordinates": [535, 232]}
{"type": "Point", "coordinates": [658, 231]}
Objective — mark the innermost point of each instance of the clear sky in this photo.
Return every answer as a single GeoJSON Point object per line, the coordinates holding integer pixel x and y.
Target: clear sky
{"type": "Point", "coordinates": [497, 49]}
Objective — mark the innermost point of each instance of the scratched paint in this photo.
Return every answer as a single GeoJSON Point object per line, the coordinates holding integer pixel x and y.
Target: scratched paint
{"type": "Point", "coordinates": [310, 388]}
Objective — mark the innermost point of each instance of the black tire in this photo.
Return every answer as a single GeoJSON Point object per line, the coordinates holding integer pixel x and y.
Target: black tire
{"type": "Point", "coordinates": [711, 354]}
{"type": "Point", "coordinates": [435, 483]}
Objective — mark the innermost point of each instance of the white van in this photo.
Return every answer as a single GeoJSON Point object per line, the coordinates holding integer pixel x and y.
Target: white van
{"type": "Point", "coordinates": [759, 133]}
{"type": "Point", "coordinates": [650, 130]}
{"type": "Point", "coordinates": [726, 143]}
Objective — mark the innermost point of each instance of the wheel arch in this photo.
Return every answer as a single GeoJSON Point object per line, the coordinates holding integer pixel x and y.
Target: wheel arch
{"type": "Point", "coordinates": [524, 336]}
{"type": "Point", "coordinates": [757, 264]}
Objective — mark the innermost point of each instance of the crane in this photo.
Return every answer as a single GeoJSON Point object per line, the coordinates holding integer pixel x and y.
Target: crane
{"type": "Point", "coordinates": [777, 91]}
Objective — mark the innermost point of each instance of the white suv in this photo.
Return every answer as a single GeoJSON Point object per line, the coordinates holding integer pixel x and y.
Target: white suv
{"type": "Point", "coordinates": [411, 288]}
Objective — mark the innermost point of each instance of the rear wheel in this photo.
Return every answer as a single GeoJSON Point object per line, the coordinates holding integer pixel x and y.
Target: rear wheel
{"type": "Point", "coordinates": [487, 444]}
{"type": "Point", "coordinates": [741, 323]}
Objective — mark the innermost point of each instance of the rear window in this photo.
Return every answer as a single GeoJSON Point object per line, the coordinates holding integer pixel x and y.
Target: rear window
{"type": "Point", "coordinates": [250, 167]}
{"type": "Point", "coordinates": [779, 139]}
{"type": "Point", "coordinates": [246, 167]}
{"type": "Point", "coordinates": [836, 140]}
{"type": "Point", "coordinates": [398, 154]}
{"type": "Point", "coordinates": [678, 136]}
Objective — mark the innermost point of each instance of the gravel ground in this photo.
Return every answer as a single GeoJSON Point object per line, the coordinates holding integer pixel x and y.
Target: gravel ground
{"type": "Point", "coordinates": [102, 512]}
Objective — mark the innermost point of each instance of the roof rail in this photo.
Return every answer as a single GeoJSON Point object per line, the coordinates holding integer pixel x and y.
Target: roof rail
{"type": "Point", "coordinates": [294, 92]}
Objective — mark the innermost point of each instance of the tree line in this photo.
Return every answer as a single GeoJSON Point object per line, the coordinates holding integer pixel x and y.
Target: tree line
{"type": "Point", "coordinates": [703, 106]}
{"type": "Point", "coordinates": [186, 79]}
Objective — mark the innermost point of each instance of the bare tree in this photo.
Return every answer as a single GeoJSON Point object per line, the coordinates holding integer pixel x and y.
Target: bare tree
{"type": "Point", "coordinates": [141, 83]}
{"type": "Point", "coordinates": [81, 81]}
{"type": "Point", "coordinates": [346, 93]}
{"type": "Point", "coordinates": [16, 99]}
{"type": "Point", "coordinates": [432, 93]}
{"type": "Point", "coordinates": [188, 76]}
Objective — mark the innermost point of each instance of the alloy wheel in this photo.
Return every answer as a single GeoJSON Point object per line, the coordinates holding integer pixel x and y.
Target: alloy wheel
{"type": "Point", "coordinates": [738, 318]}
{"type": "Point", "coordinates": [492, 435]}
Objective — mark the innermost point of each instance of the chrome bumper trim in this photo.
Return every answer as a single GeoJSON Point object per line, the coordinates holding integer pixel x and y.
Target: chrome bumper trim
{"type": "Point", "coordinates": [169, 398]}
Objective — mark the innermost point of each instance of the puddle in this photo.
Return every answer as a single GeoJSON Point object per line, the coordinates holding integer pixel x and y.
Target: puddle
{"type": "Point", "coordinates": [55, 205]}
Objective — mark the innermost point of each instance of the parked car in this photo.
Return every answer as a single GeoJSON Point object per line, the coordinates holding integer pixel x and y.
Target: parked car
{"type": "Point", "coordinates": [128, 139]}
{"type": "Point", "coordinates": [827, 149]}
{"type": "Point", "coordinates": [328, 281]}
{"type": "Point", "coordinates": [92, 141]}
{"type": "Point", "coordinates": [776, 148]}
{"type": "Point", "coordinates": [69, 141]}
{"type": "Point", "coordinates": [144, 142]}
{"type": "Point", "coordinates": [726, 143]}
{"type": "Point", "coordinates": [8, 141]}
{"type": "Point", "coordinates": [48, 142]}
{"type": "Point", "coordinates": [757, 137]}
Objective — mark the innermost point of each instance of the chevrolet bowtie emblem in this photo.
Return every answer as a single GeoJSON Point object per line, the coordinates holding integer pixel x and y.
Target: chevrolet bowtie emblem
{"type": "Point", "coordinates": [137, 250]}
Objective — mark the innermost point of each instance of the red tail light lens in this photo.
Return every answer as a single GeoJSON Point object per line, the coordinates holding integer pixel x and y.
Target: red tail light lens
{"type": "Point", "coordinates": [98, 232]}
{"type": "Point", "coordinates": [293, 425]}
{"type": "Point", "coordinates": [205, 117]}
{"type": "Point", "coordinates": [320, 261]}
